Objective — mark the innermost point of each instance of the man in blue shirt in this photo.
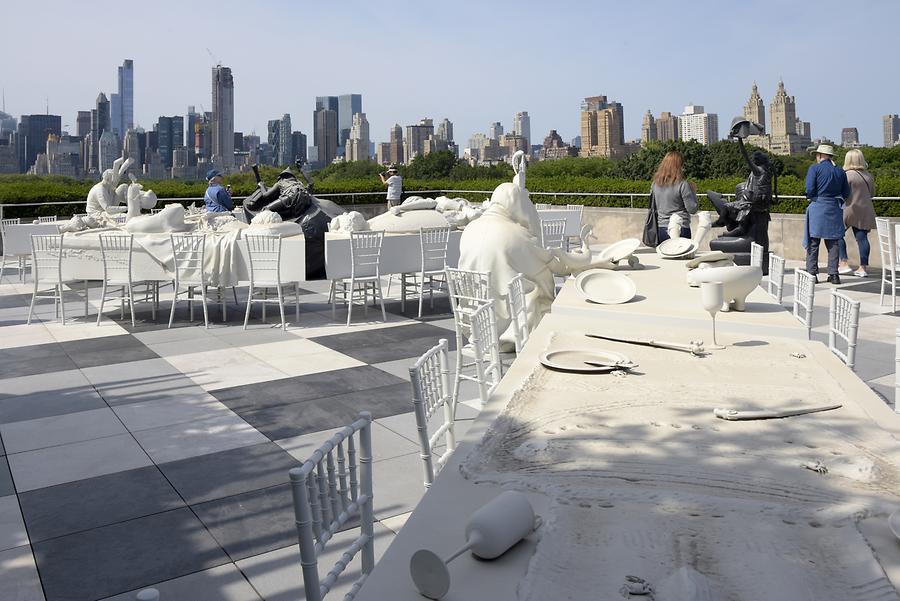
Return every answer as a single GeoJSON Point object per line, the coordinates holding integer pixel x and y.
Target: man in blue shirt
{"type": "Point", "coordinates": [217, 198]}
{"type": "Point", "coordinates": [826, 189]}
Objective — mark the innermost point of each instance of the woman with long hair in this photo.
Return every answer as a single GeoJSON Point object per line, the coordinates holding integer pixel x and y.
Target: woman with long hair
{"type": "Point", "coordinates": [859, 212]}
{"type": "Point", "coordinates": [673, 195]}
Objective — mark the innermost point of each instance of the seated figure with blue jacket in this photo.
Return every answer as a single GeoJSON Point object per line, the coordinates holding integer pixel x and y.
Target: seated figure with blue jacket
{"type": "Point", "coordinates": [217, 198]}
{"type": "Point", "coordinates": [826, 189]}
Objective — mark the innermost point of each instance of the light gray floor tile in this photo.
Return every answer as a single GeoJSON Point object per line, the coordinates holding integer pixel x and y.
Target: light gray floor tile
{"type": "Point", "coordinates": [222, 583]}
{"type": "Point", "coordinates": [77, 461]}
{"type": "Point", "coordinates": [180, 441]}
{"type": "Point", "coordinates": [59, 381]}
{"type": "Point", "coordinates": [404, 424]}
{"type": "Point", "coordinates": [18, 576]}
{"type": "Point", "coordinates": [12, 527]}
{"type": "Point", "coordinates": [166, 412]}
{"type": "Point", "coordinates": [124, 374]}
{"type": "Point", "coordinates": [167, 335]}
{"type": "Point", "coordinates": [386, 444]}
{"type": "Point", "coordinates": [197, 344]}
{"type": "Point", "coordinates": [399, 484]}
{"type": "Point", "coordinates": [44, 404]}
{"type": "Point", "coordinates": [394, 524]}
{"type": "Point", "coordinates": [214, 370]}
{"type": "Point", "coordinates": [276, 574]}
{"type": "Point", "coordinates": [60, 429]}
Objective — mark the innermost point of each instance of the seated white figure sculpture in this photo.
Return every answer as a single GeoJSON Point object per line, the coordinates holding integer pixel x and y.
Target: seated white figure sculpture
{"type": "Point", "coordinates": [170, 219]}
{"type": "Point", "coordinates": [104, 196]}
{"type": "Point", "coordinates": [138, 199]}
{"type": "Point", "coordinates": [505, 241]}
{"type": "Point", "coordinates": [349, 222]}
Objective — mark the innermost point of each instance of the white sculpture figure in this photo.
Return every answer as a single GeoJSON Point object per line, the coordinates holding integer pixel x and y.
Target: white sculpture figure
{"type": "Point", "coordinates": [349, 222]}
{"type": "Point", "coordinates": [137, 198]}
{"type": "Point", "coordinates": [704, 225]}
{"type": "Point", "coordinates": [675, 224]}
{"type": "Point", "coordinates": [505, 241]}
{"type": "Point", "coordinates": [104, 197]}
{"type": "Point", "coordinates": [739, 281]}
{"type": "Point", "coordinates": [170, 219]}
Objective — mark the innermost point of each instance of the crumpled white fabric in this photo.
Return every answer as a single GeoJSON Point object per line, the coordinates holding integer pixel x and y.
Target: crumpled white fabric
{"type": "Point", "coordinates": [265, 217]}
{"type": "Point", "coordinates": [349, 222]}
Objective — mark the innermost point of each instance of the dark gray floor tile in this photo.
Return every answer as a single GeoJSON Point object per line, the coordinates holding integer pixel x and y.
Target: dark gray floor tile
{"type": "Point", "coordinates": [113, 559]}
{"type": "Point", "coordinates": [47, 404]}
{"type": "Point", "coordinates": [303, 388]}
{"type": "Point", "coordinates": [393, 350]}
{"type": "Point", "coordinates": [251, 523]}
{"type": "Point", "coordinates": [34, 351]}
{"type": "Point", "coordinates": [85, 504]}
{"type": "Point", "coordinates": [352, 340]}
{"type": "Point", "coordinates": [12, 301]}
{"type": "Point", "coordinates": [6, 483]}
{"type": "Point", "coordinates": [107, 350]}
{"type": "Point", "coordinates": [30, 367]}
{"type": "Point", "coordinates": [285, 421]}
{"type": "Point", "coordinates": [217, 475]}
{"type": "Point", "coordinates": [2, 447]}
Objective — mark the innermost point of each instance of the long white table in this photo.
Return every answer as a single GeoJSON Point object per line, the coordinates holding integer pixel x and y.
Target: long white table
{"type": "Point", "coordinates": [400, 253]}
{"type": "Point", "coordinates": [634, 475]}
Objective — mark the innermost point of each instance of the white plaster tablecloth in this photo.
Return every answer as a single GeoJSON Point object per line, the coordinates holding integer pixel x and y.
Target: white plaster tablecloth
{"type": "Point", "coordinates": [400, 253]}
{"type": "Point", "coordinates": [633, 475]}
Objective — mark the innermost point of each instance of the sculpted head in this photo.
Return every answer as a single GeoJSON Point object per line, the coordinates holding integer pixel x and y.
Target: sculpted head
{"type": "Point", "coordinates": [514, 202]}
{"type": "Point", "coordinates": [109, 177]}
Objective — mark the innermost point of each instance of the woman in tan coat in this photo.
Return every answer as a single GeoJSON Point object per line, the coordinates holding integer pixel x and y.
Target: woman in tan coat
{"type": "Point", "coordinates": [859, 212]}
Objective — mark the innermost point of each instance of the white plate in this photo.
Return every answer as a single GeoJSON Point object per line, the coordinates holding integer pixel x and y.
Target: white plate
{"type": "Point", "coordinates": [674, 247]}
{"type": "Point", "coordinates": [574, 360]}
{"type": "Point", "coordinates": [620, 250]}
{"type": "Point", "coordinates": [605, 287]}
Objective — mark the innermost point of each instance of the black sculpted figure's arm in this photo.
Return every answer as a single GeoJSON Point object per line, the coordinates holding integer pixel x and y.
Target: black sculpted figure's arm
{"type": "Point", "coordinates": [756, 169]}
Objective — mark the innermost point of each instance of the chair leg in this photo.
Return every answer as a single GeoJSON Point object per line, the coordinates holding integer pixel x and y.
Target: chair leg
{"type": "Point", "coordinates": [281, 309]}
{"type": "Point", "coordinates": [203, 300]}
{"type": "Point", "coordinates": [350, 304]}
{"type": "Point", "coordinates": [265, 292]}
{"type": "Point", "coordinates": [249, 302]}
{"type": "Point", "coordinates": [402, 290]}
{"type": "Point", "coordinates": [131, 304]}
{"type": "Point", "coordinates": [174, 301]}
{"type": "Point", "coordinates": [377, 287]}
{"type": "Point", "coordinates": [333, 300]}
{"type": "Point", "coordinates": [31, 306]}
{"type": "Point", "coordinates": [297, 303]}
{"type": "Point", "coordinates": [234, 292]}
{"type": "Point", "coordinates": [422, 296]}
{"type": "Point", "coordinates": [102, 301]}
{"type": "Point", "coordinates": [85, 298]}
{"type": "Point", "coordinates": [62, 303]}
{"type": "Point", "coordinates": [190, 296]}
{"type": "Point", "coordinates": [151, 292]}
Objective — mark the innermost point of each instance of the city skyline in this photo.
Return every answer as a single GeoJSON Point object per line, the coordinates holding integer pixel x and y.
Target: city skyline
{"type": "Point", "coordinates": [640, 71]}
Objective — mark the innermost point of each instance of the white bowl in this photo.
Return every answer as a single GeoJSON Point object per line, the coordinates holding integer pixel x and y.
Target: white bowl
{"type": "Point", "coordinates": [620, 250]}
{"type": "Point", "coordinates": [675, 247]}
{"type": "Point", "coordinates": [574, 360]}
{"type": "Point", "coordinates": [605, 287]}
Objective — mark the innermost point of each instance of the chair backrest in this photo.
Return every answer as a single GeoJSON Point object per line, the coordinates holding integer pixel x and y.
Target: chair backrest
{"type": "Point", "coordinates": [804, 296]}
{"type": "Point", "coordinates": [119, 218]}
{"type": "Point", "coordinates": [46, 257]}
{"type": "Point", "coordinates": [5, 222]}
{"type": "Point", "coordinates": [553, 233]}
{"type": "Point", "coordinates": [434, 242]}
{"type": "Point", "coordinates": [756, 255]}
{"type": "Point", "coordinates": [47, 219]}
{"type": "Point", "coordinates": [578, 208]}
{"type": "Point", "coordinates": [468, 290]}
{"type": "Point", "coordinates": [189, 251]}
{"type": "Point", "coordinates": [155, 211]}
{"type": "Point", "coordinates": [331, 488]}
{"type": "Point", "coordinates": [843, 326]}
{"type": "Point", "coordinates": [430, 380]}
{"type": "Point", "coordinates": [264, 252]}
{"type": "Point", "coordinates": [486, 346]}
{"type": "Point", "coordinates": [775, 285]}
{"type": "Point", "coordinates": [116, 251]}
{"type": "Point", "coordinates": [518, 311]}
{"type": "Point", "coordinates": [365, 253]}
{"type": "Point", "coordinates": [541, 206]}
{"type": "Point", "coordinates": [888, 255]}
{"type": "Point", "coordinates": [79, 214]}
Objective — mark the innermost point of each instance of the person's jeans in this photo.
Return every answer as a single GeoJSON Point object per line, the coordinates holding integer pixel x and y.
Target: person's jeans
{"type": "Point", "coordinates": [663, 233]}
{"type": "Point", "coordinates": [812, 256]}
{"type": "Point", "coordinates": [862, 241]}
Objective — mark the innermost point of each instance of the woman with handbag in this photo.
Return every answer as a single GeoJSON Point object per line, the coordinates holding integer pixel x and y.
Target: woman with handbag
{"type": "Point", "coordinates": [671, 195]}
{"type": "Point", "coordinates": [859, 212]}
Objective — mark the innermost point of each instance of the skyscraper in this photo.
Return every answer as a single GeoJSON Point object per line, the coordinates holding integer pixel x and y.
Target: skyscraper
{"type": "Point", "coordinates": [445, 131]}
{"type": "Point", "coordinates": [755, 109]}
{"type": "Point", "coordinates": [126, 96]}
{"type": "Point", "coordinates": [170, 135]}
{"type": "Point", "coordinates": [348, 105]}
{"type": "Point", "coordinates": [667, 127]}
{"type": "Point", "coordinates": [190, 139]}
{"type": "Point", "coordinates": [891, 128]}
{"type": "Point", "coordinates": [83, 123]}
{"type": "Point", "coordinates": [396, 154]}
{"type": "Point", "coordinates": [32, 135]}
{"type": "Point", "coordinates": [696, 124]}
{"type": "Point", "coordinates": [416, 135]}
{"type": "Point", "coordinates": [602, 129]}
{"type": "Point", "coordinates": [223, 117]}
{"type": "Point", "coordinates": [326, 134]}
{"type": "Point", "coordinates": [357, 145]}
{"type": "Point", "coordinates": [284, 151]}
{"type": "Point", "coordinates": [784, 138]}
{"type": "Point", "coordinates": [495, 130]}
{"type": "Point", "coordinates": [522, 126]}
{"type": "Point", "coordinates": [115, 114]}
{"type": "Point", "coordinates": [648, 129]}
{"type": "Point", "coordinates": [299, 139]}
{"type": "Point", "coordinates": [849, 137]}
{"type": "Point", "coordinates": [100, 121]}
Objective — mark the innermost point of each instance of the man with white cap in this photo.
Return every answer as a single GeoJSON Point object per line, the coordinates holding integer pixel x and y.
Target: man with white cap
{"type": "Point", "coordinates": [826, 189]}
{"type": "Point", "coordinates": [217, 198]}
{"type": "Point", "coordinates": [394, 185]}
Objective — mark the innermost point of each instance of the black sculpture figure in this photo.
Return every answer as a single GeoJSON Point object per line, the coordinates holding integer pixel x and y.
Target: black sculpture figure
{"type": "Point", "coordinates": [293, 201]}
{"type": "Point", "coordinates": [746, 219]}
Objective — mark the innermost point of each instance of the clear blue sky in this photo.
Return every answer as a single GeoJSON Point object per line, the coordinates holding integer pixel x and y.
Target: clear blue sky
{"type": "Point", "coordinates": [471, 61]}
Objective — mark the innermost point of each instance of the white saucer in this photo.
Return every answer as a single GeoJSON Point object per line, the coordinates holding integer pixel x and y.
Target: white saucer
{"type": "Point", "coordinates": [605, 287]}
{"type": "Point", "coordinates": [620, 250]}
{"type": "Point", "coordinates": [574, 360]}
